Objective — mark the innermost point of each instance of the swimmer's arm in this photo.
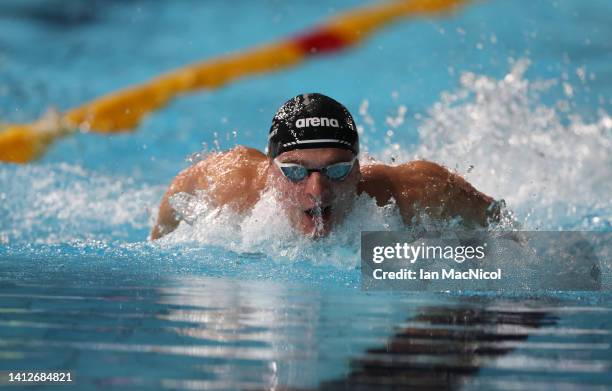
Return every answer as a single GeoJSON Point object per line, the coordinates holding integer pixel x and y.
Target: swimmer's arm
{"type": "Point", "coordinates": [167, 220]}
{"type": "Point", "coordinates": [440, 193]}
{"type": "Point", "coordinates": [233, 178]}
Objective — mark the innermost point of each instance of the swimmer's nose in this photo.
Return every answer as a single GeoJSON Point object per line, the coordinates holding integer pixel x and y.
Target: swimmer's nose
{"type": "Point", "coordinates": [316, 187]}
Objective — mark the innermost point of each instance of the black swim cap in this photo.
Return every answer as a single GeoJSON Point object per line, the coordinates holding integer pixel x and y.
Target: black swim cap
{"type": "Point", "coordinates": [312, 121]}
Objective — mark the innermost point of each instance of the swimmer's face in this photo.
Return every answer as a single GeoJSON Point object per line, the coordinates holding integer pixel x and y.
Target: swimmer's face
{"type": "Point", "coordinates": [316, 203]}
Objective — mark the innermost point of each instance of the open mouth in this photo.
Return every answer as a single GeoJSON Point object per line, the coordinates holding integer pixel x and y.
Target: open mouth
{"type": "Point", "coordinates": [319, 212]}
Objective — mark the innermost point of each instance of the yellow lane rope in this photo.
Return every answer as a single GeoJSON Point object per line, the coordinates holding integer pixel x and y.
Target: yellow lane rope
{"type": "Point", "coordinates": [124, 109]}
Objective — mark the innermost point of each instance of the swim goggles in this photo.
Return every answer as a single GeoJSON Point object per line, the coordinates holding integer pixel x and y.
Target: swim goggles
{"type": "Point", "coordinates": [335, 172]}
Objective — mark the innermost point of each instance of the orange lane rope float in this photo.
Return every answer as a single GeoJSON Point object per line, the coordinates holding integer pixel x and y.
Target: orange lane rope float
{"type": "Point", "coordinates": [123, 110]}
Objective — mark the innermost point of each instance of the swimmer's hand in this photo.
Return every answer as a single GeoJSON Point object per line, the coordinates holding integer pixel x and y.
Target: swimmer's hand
{"type": "Point", "coordinates": [494, 210]}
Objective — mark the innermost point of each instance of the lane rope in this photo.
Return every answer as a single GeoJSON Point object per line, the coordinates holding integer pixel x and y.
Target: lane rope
{"type": "Point", "coordinates": [123, 110]}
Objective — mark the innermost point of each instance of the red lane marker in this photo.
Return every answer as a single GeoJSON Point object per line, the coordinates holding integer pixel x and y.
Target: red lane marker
{"type": "Point", "coordinates": [319, 41]}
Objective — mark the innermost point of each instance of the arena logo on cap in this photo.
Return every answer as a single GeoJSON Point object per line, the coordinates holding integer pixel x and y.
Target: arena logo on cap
{"type": "Point", "coordinates": [317, 121]}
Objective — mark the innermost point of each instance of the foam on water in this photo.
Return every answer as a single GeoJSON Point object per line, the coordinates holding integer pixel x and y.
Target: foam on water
{"type": "Point", "coordinates": [61, 203]}
{"type": "Point", "coordinates": [267, 231]}
{"type": "Point", "coordinates": [551, 166]}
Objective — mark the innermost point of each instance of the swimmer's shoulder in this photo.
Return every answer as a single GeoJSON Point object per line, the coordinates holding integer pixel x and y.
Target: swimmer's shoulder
{"type": "Point", "coordinates": [246, 154]}
{"type": "Point", "coordinates": [238, 156]}
{"type": "Point", "coordinates": [383, 172]}
{"type": "Point", "coordinates": [376, 182]}
{"type": "Point", "coordinates": [421, 181]}
{"type": "Point", "coordinates": [242, 162]}
{"type": "Point", "coordinates": [403, 181]}
{"type": "Point", "coordinates": [419, 171]}
{"type": "Point", "coordinates": [234, 177]}
{"type": "Point", "coordinates": [239, 166]}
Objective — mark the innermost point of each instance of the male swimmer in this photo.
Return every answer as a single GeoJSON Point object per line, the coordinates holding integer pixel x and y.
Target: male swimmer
{"type": "Point", "coordinates": [313, 170]}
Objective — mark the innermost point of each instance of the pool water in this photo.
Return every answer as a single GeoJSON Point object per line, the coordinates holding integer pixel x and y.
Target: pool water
{"type": "Point", "coordinates": [514, 96]}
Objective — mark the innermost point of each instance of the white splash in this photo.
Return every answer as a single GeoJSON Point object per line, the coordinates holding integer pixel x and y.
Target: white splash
{"type": "Point", "coordinates": [553, 169]}
{"type": "Point", "coordinates": [267, 230]}
{"type": "Point", "coordinates": [62, 203]}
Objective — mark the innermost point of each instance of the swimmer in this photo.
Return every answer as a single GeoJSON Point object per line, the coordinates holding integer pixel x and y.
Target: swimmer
{"type": "Point", "coordinates": [313, 170]}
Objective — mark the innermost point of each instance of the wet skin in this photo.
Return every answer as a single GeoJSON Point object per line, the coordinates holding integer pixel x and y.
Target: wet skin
{"type": "Point", "coordinates": [237, 178]}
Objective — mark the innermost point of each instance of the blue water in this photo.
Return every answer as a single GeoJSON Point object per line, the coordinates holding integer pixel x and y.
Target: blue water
{"type": "Point", "coordinates": [515, 96]}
